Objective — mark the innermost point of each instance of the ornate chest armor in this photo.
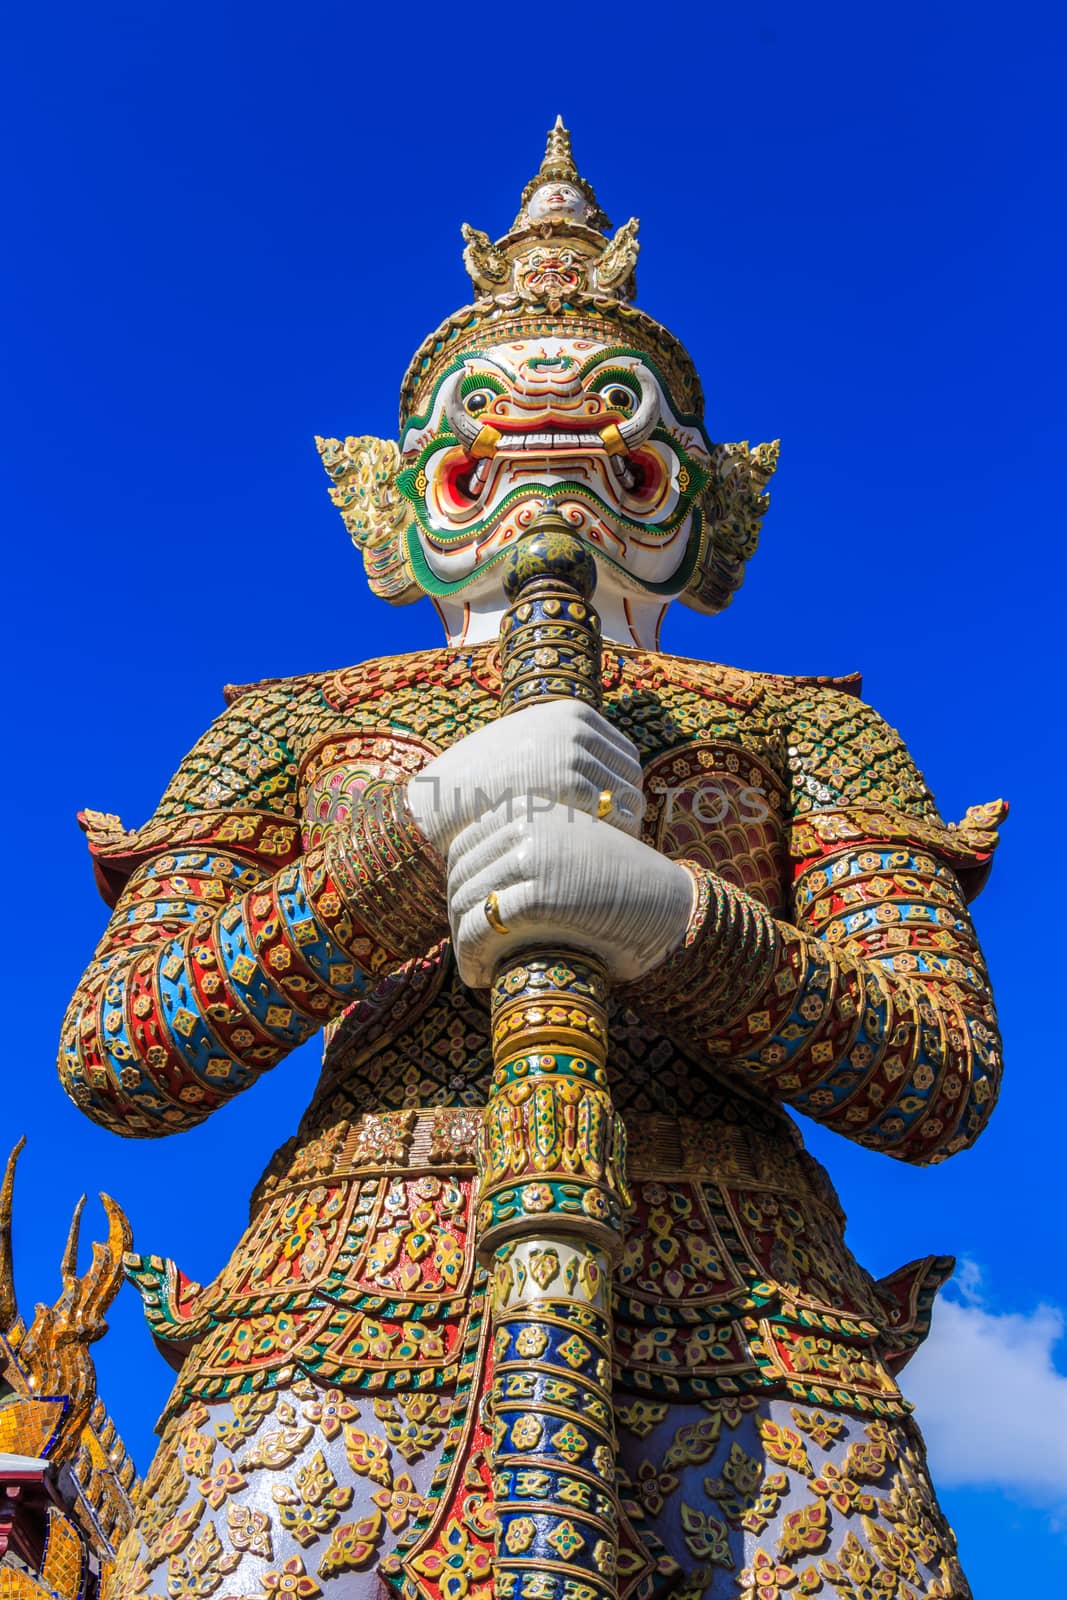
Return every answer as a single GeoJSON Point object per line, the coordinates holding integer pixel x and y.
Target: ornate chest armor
{"type": "Point", "coordinates": [736, 1277]}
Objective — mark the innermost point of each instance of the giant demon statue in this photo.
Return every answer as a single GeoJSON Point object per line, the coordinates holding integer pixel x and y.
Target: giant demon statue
{"type": "Point", "coordinates": [469, 1346]}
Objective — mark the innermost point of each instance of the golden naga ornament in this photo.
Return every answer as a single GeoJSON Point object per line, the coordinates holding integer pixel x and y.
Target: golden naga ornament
{"type": "Point", "coordinates": [66, 1482]}
{"type": "Point", "coordinates": [544, 1298]}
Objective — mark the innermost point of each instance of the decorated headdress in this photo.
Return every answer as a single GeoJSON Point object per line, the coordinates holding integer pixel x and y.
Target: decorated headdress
{"type": "Point", "coordinates": [554, 274]}
{"type": "Point", "coordinates": [557, 167]}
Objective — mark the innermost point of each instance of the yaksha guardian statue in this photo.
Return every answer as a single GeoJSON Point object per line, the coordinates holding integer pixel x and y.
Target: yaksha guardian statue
{"type": "Point", "coordinates": [542, 889]}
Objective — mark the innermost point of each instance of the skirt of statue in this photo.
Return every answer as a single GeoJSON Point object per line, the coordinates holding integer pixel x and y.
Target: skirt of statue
{"type": "Point", "coordinates": [328, 1433]}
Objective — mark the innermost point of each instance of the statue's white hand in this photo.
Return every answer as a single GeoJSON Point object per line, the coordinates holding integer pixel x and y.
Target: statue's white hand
{"type": "Point", "coordinates": [561, 752]}
{"type": "Point", "coordinates": [562, 878]}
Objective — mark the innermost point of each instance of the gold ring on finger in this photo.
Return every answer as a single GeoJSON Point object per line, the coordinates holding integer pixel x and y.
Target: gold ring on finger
{"type": "Point", "coordinates": [492, 914]}
{"type": "Point", "coordinates": [603, 805]}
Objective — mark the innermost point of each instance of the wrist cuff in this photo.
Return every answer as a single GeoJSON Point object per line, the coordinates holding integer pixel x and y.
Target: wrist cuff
{"type": "Point", "coordinates": [390, 876]}
{"type": "Point", "coordinates": [723, 965]}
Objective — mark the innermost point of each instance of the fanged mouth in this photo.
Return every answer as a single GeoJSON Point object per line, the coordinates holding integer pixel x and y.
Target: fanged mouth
{"type": "Point", "coordinates": [466, 475]}
{"type": "Point", "coordinates": [554, 420]}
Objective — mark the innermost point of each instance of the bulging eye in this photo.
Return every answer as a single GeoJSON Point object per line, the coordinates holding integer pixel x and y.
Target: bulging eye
{"type": "Point", "coordinates": [477, 401]}
{"type": "Point", "coordinates": [620, 399]}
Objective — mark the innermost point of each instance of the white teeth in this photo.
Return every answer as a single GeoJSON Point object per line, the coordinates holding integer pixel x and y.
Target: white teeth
{"type": "Point", "coordinates": [560, 441]}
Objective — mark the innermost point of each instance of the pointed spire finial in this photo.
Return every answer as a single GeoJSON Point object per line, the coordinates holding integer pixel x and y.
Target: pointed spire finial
{"type": "Point", "coordinates": [559, 191]}
{"type": "Point", "coordinates": [558, 162]}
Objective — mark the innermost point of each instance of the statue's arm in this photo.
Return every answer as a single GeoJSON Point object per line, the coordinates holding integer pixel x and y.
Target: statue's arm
{"type": "Point", "coordinates": [871, 1011]}
{"type": "Point", "coordinates": [229, 946]}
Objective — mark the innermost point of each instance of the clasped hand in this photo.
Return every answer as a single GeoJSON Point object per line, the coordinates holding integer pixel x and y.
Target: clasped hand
{"type": "Point", "coordinates": [514, 808]}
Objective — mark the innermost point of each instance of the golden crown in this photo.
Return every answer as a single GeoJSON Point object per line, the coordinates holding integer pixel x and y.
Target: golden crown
{"type": "Point", "coordinates": [555, 261]}
{"type": "Point", "coordinates": [554, 274]}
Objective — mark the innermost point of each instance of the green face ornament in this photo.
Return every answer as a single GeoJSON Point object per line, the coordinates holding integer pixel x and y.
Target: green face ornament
{"type": "Point", "coordinates": [587, 425]}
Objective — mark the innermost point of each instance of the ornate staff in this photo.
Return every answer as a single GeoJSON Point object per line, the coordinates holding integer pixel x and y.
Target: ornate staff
{"type": "Point", "coordinates": [552, 1164]}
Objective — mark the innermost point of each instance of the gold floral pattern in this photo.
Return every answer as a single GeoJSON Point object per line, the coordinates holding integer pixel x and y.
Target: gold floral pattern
{"type": "Point", "coordinates": [312, 1504]}
{"type": "Point", "coordinates": [249, 1531]}
{"type": "Point", "coordinates": [289, 1579]}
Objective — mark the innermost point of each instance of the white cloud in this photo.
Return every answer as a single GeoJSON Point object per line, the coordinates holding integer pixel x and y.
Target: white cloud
{"type": "Point", "coordinates": [988, 1397]}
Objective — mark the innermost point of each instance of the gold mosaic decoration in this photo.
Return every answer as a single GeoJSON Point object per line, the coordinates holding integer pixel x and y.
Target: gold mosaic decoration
{"type": "Point", "coordinates": [66, 1482]}
{"type": "Point", "coordinates": [544, 1299]}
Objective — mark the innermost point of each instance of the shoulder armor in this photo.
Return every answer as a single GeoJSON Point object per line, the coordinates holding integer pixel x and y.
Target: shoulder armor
{"type": "Point", "coordinates": [850, 683]}
{"type": "Point", "coordinates": [232, 692]}
{"type": "Point", "coordinates": [748, 684]}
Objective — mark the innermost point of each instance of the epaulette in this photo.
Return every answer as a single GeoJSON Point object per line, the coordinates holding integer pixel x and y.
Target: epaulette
{"type": "Point", "coordinates": [850, 683]}
{"type": "Point", "coordinates": [747, 684]}
{"type": "Point", "coordinates": [232, 692]}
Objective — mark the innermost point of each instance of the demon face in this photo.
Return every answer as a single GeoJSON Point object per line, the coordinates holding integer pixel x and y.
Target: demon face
{"type": "Point", "coordinates": [587, 425]}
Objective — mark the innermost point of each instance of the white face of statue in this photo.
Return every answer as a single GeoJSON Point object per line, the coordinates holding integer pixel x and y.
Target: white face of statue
{"type": "Point", "coordinates": [590, 427]}
{"type": "Point", "coordinates": [552, 200]}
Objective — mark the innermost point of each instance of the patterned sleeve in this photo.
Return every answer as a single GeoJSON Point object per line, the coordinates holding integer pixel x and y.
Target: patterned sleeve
{"type": "Point", "coordinates": [229, 945]}
{"type": "Point", "coordinates": [871, 1011]}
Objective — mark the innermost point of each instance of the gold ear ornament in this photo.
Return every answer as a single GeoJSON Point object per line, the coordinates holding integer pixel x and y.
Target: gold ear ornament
{"type": "Point", "coordinates": [734, 504]}
{"type": "Point", "coordinates": [363, 473]}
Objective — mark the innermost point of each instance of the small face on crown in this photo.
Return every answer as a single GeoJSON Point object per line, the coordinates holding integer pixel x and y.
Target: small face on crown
{"type": "Point", "coordinates": [551, 201]}
{"type": "Point", "coordinates": [588, 424]}
{"type": "Point", "coordinates": [550, 271]}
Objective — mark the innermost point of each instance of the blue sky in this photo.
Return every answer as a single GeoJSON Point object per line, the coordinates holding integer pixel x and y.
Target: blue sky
{"type": "Point", "coordinates": [230, 226]}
